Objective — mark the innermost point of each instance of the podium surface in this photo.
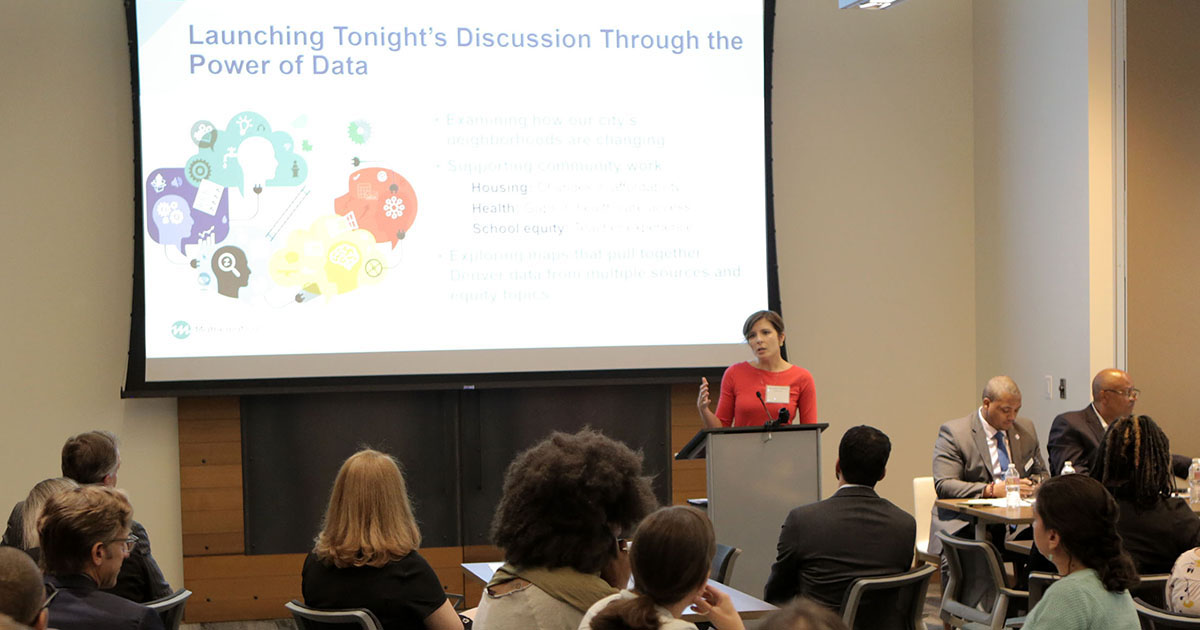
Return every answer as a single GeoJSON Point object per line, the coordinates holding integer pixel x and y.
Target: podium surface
{"type": "Point", "coordinates": [756, 475]}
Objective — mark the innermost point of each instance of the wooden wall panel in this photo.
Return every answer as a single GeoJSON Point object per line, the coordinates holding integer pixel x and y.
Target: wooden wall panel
{"type": "Point", "coordinates": [688, 478]}
{"type": "Point", "coordinates": [228, 585]}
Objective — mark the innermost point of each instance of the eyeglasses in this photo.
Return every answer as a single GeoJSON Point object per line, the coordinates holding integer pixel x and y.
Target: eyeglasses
{"type": "Point", "coordinates": [51, 593]}
{"type": "Point", "coordinates": [1131, 393]}
{"type": "Point", "coordinates": [128, 542]}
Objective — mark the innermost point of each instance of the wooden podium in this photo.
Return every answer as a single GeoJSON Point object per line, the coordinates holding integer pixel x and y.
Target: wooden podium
{"type": "Point", "coordinates": [756, 475]}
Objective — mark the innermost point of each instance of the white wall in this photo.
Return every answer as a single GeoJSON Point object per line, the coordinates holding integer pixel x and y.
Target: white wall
{"type": "Point", "coordinates": [874, 205]}
{"type": "Point", "coordinates": [1032, 291]}
{"type": "Point", "coordinates": [67, 175]}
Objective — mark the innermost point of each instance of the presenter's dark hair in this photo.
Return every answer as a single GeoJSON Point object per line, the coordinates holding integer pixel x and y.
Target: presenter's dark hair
{"type": "Point", "coordinates": [772, 318]}
{"type": "Point", "coordinates": [90, 457]}
{"type": "Point", "coordinates": [1084, 514]}
{"type": "Point", "coordinates": [565, 497]}
{"type": "Point", "coordinates": [863, 455]}
{"type": "Point", "coordinates": [803, 614]}
{"type": "Point", "coordinates": [671, 557]}
{"type": "Point", "coordinates": [1134, 462]}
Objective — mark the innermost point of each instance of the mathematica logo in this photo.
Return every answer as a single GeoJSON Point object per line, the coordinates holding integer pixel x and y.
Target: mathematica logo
{"type": "Point", "coordinates": [181, 330]}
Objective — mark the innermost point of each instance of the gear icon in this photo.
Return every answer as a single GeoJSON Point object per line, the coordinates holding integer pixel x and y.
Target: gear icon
{"type": "Point", "coordinates": [198, 170]}
{"type": "Point", "coordinates": [359, 131]}
{"type": "Point", "coordinates": [393, 207]}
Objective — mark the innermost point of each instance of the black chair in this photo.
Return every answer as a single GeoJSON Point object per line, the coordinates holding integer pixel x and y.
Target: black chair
{"type": "Point", "coordinates": [170, 608]}
{"type": "Point", "coordinates": [976, 591]}
{"type": "Point", "coordinates": [722, 564]}
{"type": "Point", "coordinates": [891, 602]}
{"type": "Point", "coordinates": [1155, 618]}
{"type": "Point", "coordinates": [316, 619]}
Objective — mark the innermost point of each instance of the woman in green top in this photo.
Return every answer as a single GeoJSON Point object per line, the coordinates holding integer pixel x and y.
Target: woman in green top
{"type": "Point", "coordinates": [1075, 526]}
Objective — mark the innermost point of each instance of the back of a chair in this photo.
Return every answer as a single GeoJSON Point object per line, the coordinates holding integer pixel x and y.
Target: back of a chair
{"type": "Point", "coordinates": [891, 602]}
{"type": "Point", "coordinates": [975, 591]}
{"type": "Point", "coordinates": [1156, 618]}
{"type": "Point", "coordinates": [317, 619]}
{"type": "Point", "coordinates": [1152, 589]}
{"type": "Point", "coordinates": [924, 495]}
{"type": "Point", "coordinates": [170, 608]}
{"type": "Point", "coordinates": [722, 564]}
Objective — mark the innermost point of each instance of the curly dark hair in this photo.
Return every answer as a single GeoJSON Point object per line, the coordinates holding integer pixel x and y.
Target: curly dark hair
{"type": "Point", "coordinates": [1084, 514]}
{"type": "Point", "coordinates": [1134, 462]}
{"type": "Point", "coordinates": [565, 497]}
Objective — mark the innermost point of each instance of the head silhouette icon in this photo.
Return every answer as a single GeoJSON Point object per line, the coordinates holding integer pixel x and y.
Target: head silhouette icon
{"type": "Point", "coordinates": [230, 268]}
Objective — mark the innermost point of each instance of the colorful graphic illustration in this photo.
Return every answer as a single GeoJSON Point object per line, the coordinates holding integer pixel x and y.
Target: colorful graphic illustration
{"type": "Point", "coordinates": [381, 201]}
{"type": "Point", "coordinates": [246, 155]}
{"type": "Point", "coordinates": [179, 214]}
{"type": "Point", "coordinates": [328, 258]}
{"type": "Point", "coordinates": [230, 268]}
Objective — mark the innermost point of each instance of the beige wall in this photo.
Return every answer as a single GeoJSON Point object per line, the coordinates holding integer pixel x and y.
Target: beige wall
{"type": "Point", "coordinates": [881, 122]}
{"type": "Point", "coordinates": [1164, 212]}
{"type": "Point", "coordinates": [67, 175]}
{"type": "Point", "coordinates": [873, 201]}
{"type": "Point", "coordinates": [1032, 209]}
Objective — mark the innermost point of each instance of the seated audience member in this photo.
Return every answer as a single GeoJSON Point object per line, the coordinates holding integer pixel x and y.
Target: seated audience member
{"type": "Point", "coordinates": [85, 538]}
{"type": "Point", "coordinates": [366, 554]}
{"type": "Point", "coordinates": [972, 455]}
{"type": "Point", "coordinates": [1075, 526]}
{"type": "Point", "coordinates": [1183, 587]}
{"type": "Point", "coordinates": [1076, 435]}
{"type": "Point", "coordinates": [825, 546]}
{"type": "Point", "coordinates": [22, 595]}
{"type": "Point", "coordinates": [93, 458]}
{"type": "Point", "coordinates": [671, 556]}
{"type": "Point", "coordinates": [803, 614]}
{"type": "Point", "coordinates": [566, 503]}
{"type": "Point", "coordinates": [31, 511]}
{"type": "Point", "coordinates": [1134, 463]}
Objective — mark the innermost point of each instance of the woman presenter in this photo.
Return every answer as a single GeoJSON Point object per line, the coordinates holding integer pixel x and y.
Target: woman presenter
{"type": "Point", "coordinates": [753, 392]}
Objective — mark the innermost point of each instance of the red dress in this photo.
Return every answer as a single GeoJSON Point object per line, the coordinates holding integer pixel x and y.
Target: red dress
{"type": "Point", "coordinates": [739, 407]}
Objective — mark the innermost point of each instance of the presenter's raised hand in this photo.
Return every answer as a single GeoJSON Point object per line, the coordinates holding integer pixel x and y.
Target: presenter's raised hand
{"type": "Point", "coordinates": [718, 607]}
{"type": "Point", "coordinates": [703, 400]}
{"type": "Point", "coordinates": [707, 417]}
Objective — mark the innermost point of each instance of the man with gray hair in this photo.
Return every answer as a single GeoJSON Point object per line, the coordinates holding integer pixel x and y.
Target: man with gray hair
{"type": "Point", "coordinates": [973, 453]}
{"type": "Point", "coordinates": [94, 458]}
{"type": "Point", "coordinates": [22, 594]}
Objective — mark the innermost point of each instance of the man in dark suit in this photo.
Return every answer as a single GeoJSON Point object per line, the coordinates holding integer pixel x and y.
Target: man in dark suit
{"type": "Point", "coordinates": [85, 538]}
{"type": "Point", "coordinates": [22, 596]}
{"type": "Point", "coordinates": [94, 458]}
{"type": "Point", "coordinates": [825, 546]}
{"type": "Point", "coordinates": [973, 453]}
{"type": "Point", "coordinates": [1075, 436]}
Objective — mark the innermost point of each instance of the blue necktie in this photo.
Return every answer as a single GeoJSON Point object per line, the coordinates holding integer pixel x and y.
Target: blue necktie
{"type": "Point", "coordinates": [1002, 450]}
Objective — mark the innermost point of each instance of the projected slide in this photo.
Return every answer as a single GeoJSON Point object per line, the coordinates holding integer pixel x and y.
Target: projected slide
{"type": "Point", "coordinates": [395, 187]}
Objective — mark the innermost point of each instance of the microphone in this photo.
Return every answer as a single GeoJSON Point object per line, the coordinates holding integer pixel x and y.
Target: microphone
{"type": "Point", "coordinates": [782, 419]}
{"type": "Point", "coordinates": [764, 405]}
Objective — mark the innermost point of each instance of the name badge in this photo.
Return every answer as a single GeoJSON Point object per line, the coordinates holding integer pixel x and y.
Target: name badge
{"type": "Point", "coordinates": [778, 394]}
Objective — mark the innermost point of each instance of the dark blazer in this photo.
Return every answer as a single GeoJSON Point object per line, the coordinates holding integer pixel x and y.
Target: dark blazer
{"type": "Point", "coordinates": [79, 605]}
{"type": "Point", "coordinates": [962, 466]}
{"type": "Point", "coordinates": [825, 546]}
{"type": "Point", "coordinates": [1075, 437]}
{"type": "Point", "coordinates": [140, 579]}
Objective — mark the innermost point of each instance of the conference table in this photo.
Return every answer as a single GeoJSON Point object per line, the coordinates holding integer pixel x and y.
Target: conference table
{"type": "Point", "coordinates": [748, 606]}
{"type": "Point", "coordinates": [984, 512]}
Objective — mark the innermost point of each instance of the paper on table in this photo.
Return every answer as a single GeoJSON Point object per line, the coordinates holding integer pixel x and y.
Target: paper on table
{"type": "Point", "coordinates": [1000, 502]}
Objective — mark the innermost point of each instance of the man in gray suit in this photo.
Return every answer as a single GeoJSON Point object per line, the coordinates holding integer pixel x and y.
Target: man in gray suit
{"type": "Point", "coordinates": [972, 454]}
